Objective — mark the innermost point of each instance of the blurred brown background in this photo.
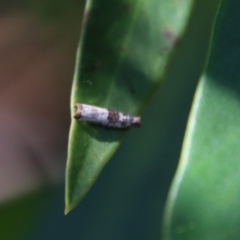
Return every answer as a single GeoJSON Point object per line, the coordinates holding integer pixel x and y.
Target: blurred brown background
{"type": "Point", "coordinates": [38, 42]}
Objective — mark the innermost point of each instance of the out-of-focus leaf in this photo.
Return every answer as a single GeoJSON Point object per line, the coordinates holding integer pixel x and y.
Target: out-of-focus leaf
{"type": "Point", "coordinates": [122, 58]}
{"type": "Point", "coordinates": [204, 200]}
{"type": "Point", "coordinates": [20, 217]}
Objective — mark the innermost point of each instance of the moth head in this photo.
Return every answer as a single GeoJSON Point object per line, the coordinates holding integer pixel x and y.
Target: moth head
{"type": "Point", "coordinates": [78, 108]}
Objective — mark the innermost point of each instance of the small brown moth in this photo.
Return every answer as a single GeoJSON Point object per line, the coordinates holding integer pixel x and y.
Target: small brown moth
{"type": "Point", "coordinates": [105, 117]}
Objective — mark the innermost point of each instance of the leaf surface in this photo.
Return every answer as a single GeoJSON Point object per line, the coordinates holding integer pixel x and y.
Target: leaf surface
{"type": "Point", "coordinates": [204, 199]}
{"type": "Point", "coordinates": [123, 53]}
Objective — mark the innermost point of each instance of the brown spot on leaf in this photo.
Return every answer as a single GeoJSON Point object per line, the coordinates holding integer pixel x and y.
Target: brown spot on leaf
{"type": "Point", "coordinates": [126, 8]}
{"type": "Point", "coordinates": [170, 36]}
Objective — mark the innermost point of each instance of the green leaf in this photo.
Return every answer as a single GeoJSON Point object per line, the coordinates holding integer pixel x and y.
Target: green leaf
{"type": "Point", "coordinates": [204, 199]}
{"type": "Point", "coordinates": [122, 57]}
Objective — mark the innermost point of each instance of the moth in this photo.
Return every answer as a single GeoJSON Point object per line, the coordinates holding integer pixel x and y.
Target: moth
{"type": "Point", "coordinates": [105, 117]}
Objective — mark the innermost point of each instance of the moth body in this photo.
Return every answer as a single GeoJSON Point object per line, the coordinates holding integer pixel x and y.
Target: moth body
{"type": "Point", "coordinates": [105, 117]}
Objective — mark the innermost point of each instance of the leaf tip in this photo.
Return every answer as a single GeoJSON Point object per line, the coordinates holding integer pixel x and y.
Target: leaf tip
{"type": "Point", "coordinates": [69, 207]}
{"type": "Point", "coordinates": [67, 210]}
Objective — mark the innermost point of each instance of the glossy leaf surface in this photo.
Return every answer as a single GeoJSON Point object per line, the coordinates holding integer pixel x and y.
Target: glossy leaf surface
{"type": "Point", "coordinates": [204, 200]}
{"type": "Point", "coordinates": [123, 53]}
